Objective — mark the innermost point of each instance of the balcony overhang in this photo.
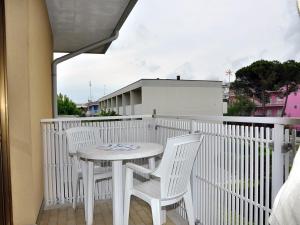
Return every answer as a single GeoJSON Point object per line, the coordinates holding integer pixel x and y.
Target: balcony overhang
{"type": "Point", "coordinates": [77, 23]}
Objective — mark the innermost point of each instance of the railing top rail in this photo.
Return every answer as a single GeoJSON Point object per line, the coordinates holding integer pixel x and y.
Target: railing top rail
{"type": "Point", "coordinates": [259, 120]}
{"type": "Point", "coordinates": [104, 118]}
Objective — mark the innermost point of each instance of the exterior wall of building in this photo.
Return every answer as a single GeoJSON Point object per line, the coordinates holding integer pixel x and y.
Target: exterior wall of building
{"type": "Point", "coordinates": [276, 104]}
{"type": "Point", "coordinates": [93, 110]}
{"type": "Point", "coordinates": [293, 105]}
{"type": "Point", "coordinates": [29, 57]}
{"type": "Point", "coordinates": [167, 96]}
{"type": "Point", "coordinates": [273, 108]}
{"type": "Point", "coordinates": [183, 100]}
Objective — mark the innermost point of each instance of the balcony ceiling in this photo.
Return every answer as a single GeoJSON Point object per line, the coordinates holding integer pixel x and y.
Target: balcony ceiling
{"type": "Point", "coordinates": [77, 23]}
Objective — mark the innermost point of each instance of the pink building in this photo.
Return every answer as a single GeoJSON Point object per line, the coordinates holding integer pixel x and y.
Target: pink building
{"type": "Point", "coordinates": [276, 104]}
{"type": "Point", "coordinates": [273, 108]}
{"type": "Point", "coordinates": [293, 105]}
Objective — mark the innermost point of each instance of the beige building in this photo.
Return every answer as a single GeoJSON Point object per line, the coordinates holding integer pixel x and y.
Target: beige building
{"type": "Point", "coordinates": [166, 96]}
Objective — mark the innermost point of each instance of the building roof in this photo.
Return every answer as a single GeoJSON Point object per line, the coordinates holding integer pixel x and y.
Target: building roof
{"type": "Point", "coordinates": [92, 103]}
{"type": "Point", "coordinates": [163, 83]}
{"type": "Point", "coordinates": [83, 105]}
{"type": "Point", "coordinates": [77, 23]}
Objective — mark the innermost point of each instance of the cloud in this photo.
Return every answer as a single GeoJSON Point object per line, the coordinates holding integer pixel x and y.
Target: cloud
{"type": "Point", "coordinates": [185, 71]}
{"type": "Point", "coordinates": [197, 39]}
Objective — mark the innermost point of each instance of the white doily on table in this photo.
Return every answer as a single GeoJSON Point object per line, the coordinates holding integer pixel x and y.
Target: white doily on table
{"type": "Point", "coordinates": [118, 147]}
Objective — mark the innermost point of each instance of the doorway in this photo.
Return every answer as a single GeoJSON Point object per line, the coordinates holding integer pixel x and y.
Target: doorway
{"type": "Point", "coordinates": [5, 182]}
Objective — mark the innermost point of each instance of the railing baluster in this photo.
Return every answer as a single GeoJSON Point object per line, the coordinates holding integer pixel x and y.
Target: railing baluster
{"type": "Point", "coordinates": [267, 190]}
{"type": "Point", "coordinates": [238, 171]}
{"type": "Point", "coordinates": [242, 181]}
{"type": "Point", "coordinates": [226, 173]}
{"type": "Point", "coordinates": [247, 154]}
{"type": "Point", "coordinates": [251, 184]}
{"type": "Point", "coordinates": [262, 173]}
{"type": "Point", "coordinates": [256, 179]}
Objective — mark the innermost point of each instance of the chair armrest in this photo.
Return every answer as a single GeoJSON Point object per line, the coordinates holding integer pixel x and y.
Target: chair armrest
{"type": "Point", "coordinates": [138, 168]}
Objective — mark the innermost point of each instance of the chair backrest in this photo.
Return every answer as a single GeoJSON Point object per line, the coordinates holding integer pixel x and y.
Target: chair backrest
{"type": "Point", "coordinates": [80, 137]}
{"type": "Point", "coordinates": [177, 163]}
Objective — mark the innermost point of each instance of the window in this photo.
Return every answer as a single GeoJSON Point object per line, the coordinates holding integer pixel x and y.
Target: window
{"type": "Point", "coordinates": [279, 99]}
{"type": "Point", "coordinates": [279, 112]}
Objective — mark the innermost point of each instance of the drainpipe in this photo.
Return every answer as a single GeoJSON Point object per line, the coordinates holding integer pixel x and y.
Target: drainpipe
{"type": "Point", "coordinates": [69, 56]}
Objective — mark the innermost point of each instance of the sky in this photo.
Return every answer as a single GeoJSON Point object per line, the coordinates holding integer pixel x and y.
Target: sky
{"type": "Point", "coordinates": [196, 39]}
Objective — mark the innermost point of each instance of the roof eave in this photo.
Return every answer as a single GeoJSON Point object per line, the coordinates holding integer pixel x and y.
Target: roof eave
{"type": "Point", "coordinates": [120, 23]}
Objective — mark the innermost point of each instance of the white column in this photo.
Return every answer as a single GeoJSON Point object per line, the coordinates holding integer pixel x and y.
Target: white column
{"type": "Point", "coordinates": [131, 103]}
{"type": "Point", "coordinates": [123, 104]}
{"type": "Point", "coordinates": [117, 104]}
{"type": "Point", "coordinates": [117, 173]}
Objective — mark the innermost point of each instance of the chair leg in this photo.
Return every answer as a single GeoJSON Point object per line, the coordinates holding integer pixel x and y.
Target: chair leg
{"type": "Point", "coordinates": [75, 194]}
{"type": "Point", "coordinates": [163, 215]}
{"type": "Point", "coordinates": [156, 208]}
{"type": "Point", "coordinates": [127, 195]}
{"type": "Point", "coordinates": [75, 182]}
{"type": "Point", "coordinates": [126, 207]}
{"type": "Point", "coordinates": [189, 207]}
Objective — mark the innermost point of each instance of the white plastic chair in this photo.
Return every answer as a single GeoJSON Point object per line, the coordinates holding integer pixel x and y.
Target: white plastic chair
{"type": "Point", "coordinates": [173, 184]}
{"type": "Point", "coordinates": [82, 137]}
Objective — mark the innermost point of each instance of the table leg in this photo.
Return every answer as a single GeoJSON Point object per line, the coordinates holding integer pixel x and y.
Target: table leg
{"type": "Point", "coordinates": [84, 167]}
{"type": "Point", "coordinates": [117, 192]}
{"type": "Point", "coordinates": [90, 193]}
{"type": "Point", "coordinates": [151, 162]}
{"type": "Point", "coordinates": [163, 213]}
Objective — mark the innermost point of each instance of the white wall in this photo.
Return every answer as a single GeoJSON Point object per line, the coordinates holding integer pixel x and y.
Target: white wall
{"type": "Point", "coordinates": [225, 107]}
{"type": "Point", "coordinates": [183, 100]}
{"type": "Point", "coordinates": [137, 109]}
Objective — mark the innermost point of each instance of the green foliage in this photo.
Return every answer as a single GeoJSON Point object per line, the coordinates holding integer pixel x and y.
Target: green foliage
{"type": "Point", "coordinates": [66, 106]}
{"type": "Point", "coordinates": [257, 79]}
{"type": "Point", "coordinates": [289, 80]}
{"type": "Point", "coordinates": [242, 106]}
{"type": "Point", "coordinates": [108, 113]}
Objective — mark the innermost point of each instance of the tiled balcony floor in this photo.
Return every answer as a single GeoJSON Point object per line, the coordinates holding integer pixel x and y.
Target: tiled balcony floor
{"type": "Point", "coordinates": [140, 214]}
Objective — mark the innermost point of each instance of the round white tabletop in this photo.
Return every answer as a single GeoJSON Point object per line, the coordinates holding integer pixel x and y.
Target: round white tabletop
{"type": "Point", "coordinates": [94, 153]}
{"type": "Point", "coordinates": [144, 150]}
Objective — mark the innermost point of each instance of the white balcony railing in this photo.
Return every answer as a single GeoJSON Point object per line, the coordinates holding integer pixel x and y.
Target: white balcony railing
{"type": "Point", "coordinates": [238, 171]}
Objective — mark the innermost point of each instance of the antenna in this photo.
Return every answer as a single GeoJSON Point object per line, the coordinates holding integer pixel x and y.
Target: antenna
{"type": "Point", "coordinates": [228, 73]}
{"type": "Point", "coordinates": [91, 97]}
{"type": "Point", "coordinates": [104, 90]}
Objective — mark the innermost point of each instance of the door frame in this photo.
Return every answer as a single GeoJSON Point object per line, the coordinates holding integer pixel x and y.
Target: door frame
{"type": "Point", "coordinates": [5, 177]}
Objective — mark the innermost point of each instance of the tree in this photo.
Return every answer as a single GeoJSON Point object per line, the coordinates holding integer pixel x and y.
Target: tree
{"type": "Point", "coordinates": [257, 80]}
{"type": "Point", "coordinates": [66, 106]}
{"type": "Point", "coordinates": [289, 80]}
{"type": "Point", "coordinates": [242, 106]}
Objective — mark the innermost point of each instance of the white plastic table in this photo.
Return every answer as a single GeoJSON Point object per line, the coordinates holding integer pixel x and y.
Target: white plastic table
{"type": "Point", "coordinates": [92, 154]}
